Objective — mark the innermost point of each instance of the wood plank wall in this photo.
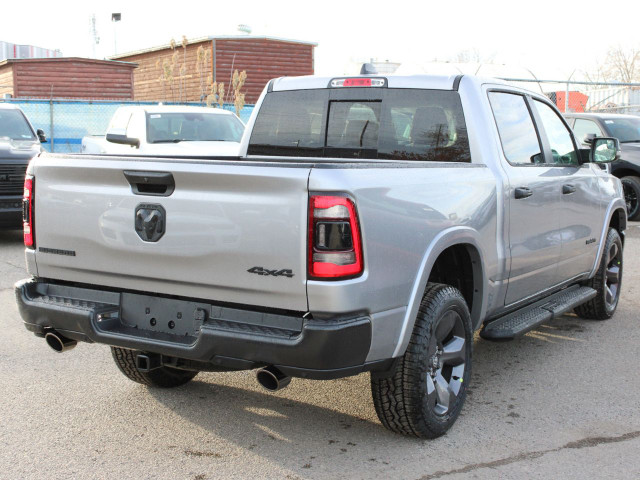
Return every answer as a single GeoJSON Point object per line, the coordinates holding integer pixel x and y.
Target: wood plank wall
{"type": "Point", "coordinates": [73, 78]}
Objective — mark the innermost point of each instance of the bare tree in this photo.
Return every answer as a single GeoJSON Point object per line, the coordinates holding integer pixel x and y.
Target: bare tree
{"type": "Point", "coordinates": [622, 64]}
{"type": "Point", "coordinates": [470, 55]}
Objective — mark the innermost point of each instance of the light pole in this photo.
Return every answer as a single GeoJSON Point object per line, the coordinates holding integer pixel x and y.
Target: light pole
{"type": "Point", "coordinates": [115, 18]}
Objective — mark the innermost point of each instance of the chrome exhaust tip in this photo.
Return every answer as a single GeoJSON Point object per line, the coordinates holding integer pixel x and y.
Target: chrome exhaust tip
{"type": "Point", "coordinates": [58, 342]}
{"type": "Point", "coordinates": [272, 379]}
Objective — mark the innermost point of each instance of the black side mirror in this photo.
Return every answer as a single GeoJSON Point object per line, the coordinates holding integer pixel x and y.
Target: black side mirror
{"type": "Point", "coordinates": [123, 139]}
{"type": "Point", "coordinates": [41, 136]}
{"type": "Point", "coordinates": [588, 138]}
{"type": "Point", "coordinates": [604, 150]}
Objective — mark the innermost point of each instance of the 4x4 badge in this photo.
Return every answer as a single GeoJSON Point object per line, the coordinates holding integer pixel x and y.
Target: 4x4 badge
{"type": "Point", "coordinates": [150, 221]}
{"type": "Point", "coordinates": [275, 273]}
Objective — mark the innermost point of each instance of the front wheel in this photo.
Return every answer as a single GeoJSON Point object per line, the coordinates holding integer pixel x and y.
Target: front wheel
{"type": "Point", "coordinates": [607, 281]}
{"type": "Point", "coordinates": [425, 394]}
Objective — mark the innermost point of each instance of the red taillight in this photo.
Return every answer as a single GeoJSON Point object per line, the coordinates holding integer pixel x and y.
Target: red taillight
{"type": "Point", "coordinates": [27, 212]}
{"type": "Point", "coordinates": [335, 248]}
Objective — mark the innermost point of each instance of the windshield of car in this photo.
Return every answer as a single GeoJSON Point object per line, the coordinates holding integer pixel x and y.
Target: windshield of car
{"type": "Point", "coordinates": [626, 130]}
{"type": "Point", "coordinates": [193, 127]}
{"type": "Point", "coordinates": [395, 124]}
{"type": "Point", "coordinates": [14, 125]}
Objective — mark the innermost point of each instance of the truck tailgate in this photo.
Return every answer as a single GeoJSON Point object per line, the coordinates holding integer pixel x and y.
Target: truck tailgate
{"type": "Point", "coordinates": [233, 232]}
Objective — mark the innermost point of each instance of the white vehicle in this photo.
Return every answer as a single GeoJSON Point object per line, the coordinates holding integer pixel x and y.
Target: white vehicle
{"type": "Point", "coordinates": [169, 130]}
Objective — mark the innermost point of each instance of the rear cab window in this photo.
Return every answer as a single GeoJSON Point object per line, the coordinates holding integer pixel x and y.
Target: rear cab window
{"type": "Point", "coordinates": [362, 123]}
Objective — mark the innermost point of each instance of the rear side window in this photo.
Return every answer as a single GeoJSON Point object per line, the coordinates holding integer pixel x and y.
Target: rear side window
{"type": "Point", "coordinates": [517, 133]}
{"type": "Point", "coordinates": [290, 124]}
{"type": "Point", "coordinates": [401, 124]}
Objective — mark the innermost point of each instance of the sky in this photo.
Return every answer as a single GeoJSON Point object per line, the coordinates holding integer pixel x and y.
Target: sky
{"type": "Point", "coordinates": [553, 39]}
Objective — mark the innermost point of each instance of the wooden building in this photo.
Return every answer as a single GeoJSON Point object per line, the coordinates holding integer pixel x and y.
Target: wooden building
{"type": "Point", "coordinates": [263, 58]}
{"type": "Point", "coordinates": [72, 77]}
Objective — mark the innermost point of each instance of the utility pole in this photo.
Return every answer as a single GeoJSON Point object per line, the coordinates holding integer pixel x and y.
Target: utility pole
{"type": "Point", "coordinates": [566, 95]}
{"type": "Point", "coordinates": [115, 18]}
{"type": "Point", "coordinates": [95, 39]}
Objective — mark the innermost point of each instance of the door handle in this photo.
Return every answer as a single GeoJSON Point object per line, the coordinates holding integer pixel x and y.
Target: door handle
{"type": "Point", "coordinates": [568, 189]}
{"type": "Point", "coordinates": [159, 184]}
{"type": "Point", "coordinates": [523, 192]}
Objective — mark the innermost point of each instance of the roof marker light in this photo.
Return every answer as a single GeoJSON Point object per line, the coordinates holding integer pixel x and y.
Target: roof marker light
{"type": "Point", "coordinates": [358, 82]}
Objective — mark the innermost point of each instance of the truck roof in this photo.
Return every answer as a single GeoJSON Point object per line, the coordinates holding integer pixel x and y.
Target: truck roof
{"type": "Point", "coordinates": [8, 106]}
{"type": "Point", "coordinates": [178, 109]}
{"type": "Point", "coordinates": [599, 115]}
{"type": "Point", "coordinates": [431, 82]}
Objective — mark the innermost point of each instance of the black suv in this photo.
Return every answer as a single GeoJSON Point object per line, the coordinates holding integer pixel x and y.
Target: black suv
{"type": "Point", "coordinates": [19, 143]}
{"type": "Point", "coordinates": [626, 128]}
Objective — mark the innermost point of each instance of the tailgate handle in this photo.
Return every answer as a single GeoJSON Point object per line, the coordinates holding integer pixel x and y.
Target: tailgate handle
{"type": "Point", "coordinates": [158, 184]}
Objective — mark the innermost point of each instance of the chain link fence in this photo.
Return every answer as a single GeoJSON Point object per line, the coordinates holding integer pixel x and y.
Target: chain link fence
{"type": "Point", "coordinates": [583, 96]}
{"type": "Point", "coordinates": [65, 122]}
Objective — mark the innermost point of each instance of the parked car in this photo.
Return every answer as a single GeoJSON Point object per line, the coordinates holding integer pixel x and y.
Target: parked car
{"type": "Point", "coordinates": [19, 143]}
{"type": "Point", "coordinates": [370, 223]}
{"type": "Point", "coordinates": [169, 130]}
{"type": "Point", "coordinates": [626, 128]}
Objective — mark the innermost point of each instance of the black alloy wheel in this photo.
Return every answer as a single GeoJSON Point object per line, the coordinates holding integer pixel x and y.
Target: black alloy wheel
{"type": "Point", "coordinates": [613, 275]}
{"type": "Point", "coordinates": [446, 364]}
{"type": "Point", "coordinates": [607, 281]}
{"type": "Point", "coordinates": [425, 392]}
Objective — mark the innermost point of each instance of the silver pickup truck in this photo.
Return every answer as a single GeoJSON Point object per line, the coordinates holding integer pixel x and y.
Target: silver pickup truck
{"type": "Point", "coordinates": [370, 223]}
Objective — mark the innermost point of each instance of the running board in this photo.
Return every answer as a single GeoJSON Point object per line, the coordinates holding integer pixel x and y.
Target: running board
{"type": "Point", "coordinates": [527, 318]}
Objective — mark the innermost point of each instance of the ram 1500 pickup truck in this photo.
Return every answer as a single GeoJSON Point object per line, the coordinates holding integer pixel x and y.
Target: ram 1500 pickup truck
{"type": "Point", "coordinates": [371, 223]}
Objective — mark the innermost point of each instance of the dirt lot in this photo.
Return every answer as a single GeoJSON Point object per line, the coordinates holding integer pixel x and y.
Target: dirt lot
{"type": "Point", "coordinates": [561, 402]}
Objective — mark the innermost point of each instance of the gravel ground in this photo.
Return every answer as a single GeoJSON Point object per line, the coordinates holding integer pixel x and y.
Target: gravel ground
{"type": "Point", "coordinates": [561, 402]}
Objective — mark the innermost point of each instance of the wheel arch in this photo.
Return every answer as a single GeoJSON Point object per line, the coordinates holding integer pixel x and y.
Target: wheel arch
{"type": "Point", "coordinates": [464, 244]}
{"type": "Point", "coordinates": [616, 217]}
{"type": "Point", "coordinates": [625, 172]}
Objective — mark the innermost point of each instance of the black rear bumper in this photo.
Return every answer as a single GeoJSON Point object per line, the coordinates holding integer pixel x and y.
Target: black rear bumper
{"type": "Point", "coordinates": [199, 331]}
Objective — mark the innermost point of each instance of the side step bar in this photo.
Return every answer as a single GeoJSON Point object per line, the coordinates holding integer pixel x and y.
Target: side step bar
{"type": "Point", "coordinates": [527, 318]}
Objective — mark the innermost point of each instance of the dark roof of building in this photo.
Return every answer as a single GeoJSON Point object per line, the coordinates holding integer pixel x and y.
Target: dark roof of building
{"type": "Point", "coordinates": [68, 59]}
{"type": "Point", "coordinates": [215, 37]}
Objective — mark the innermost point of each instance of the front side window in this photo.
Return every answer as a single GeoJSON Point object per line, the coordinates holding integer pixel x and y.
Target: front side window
{"type": "Point", "coordinates": [399, 124]}
{"type": "Point", "coordinates": [517, 132]}
{"type": "Point", "coordinates": [14, 126]}
{"type": "Point", "coordinates": [120, 121]}
{"type": "Point", "coordinates": [562, 149]}
{"type": "Point", "coordinates": [584, 127]}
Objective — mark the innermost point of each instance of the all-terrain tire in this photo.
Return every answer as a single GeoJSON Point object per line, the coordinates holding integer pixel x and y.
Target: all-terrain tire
{"type": "Point", "coordinates": [403, 401]}
{"type": "Point", "coordinates": [631, 187]}
{"type": "Point", "coordinates": [163, 377]}
{"type": "Point", "coordinates": [604, 304]}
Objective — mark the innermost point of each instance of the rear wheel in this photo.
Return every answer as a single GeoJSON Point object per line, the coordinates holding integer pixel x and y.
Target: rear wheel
{"type": "Point", "coordinates": [631, 188]}
{"type": "Point", "coordinates": [163, 377]}
{"type": "Point", "coordinates": [607, 281]}
{"type": "Point", "coordinates": [425, 394]}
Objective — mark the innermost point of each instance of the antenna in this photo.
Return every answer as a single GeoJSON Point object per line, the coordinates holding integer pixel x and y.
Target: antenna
{"type": "Point", "coordinates": [94, 35]}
